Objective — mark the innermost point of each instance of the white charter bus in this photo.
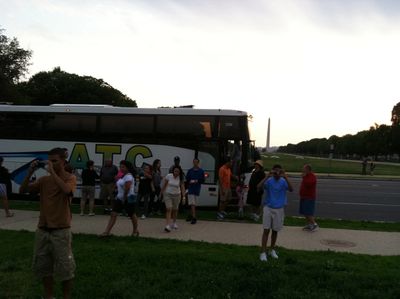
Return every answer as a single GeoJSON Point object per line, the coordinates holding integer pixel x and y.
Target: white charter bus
{"type": "Point", "coordinates": [140, 135]}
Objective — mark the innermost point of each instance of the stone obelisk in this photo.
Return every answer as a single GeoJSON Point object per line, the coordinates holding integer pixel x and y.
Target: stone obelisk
{"type": "Point", "coordinates": [268, 135]}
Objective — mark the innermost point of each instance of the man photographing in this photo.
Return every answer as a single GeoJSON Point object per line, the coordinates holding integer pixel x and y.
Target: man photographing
{"type": "Point", "coordinates": [275, 187]}
{"type": "Point", "coordinates": [52, 252]}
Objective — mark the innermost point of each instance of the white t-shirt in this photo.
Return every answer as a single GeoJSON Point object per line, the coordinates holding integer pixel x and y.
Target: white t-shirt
{"type": "Point", "coordinates": [174, 184]}
{"type": "Point", "coordinates": [121, 186]}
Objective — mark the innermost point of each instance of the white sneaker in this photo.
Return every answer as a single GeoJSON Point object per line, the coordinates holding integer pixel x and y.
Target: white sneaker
{"type": "Point", "coordinates": [143, 216]}
{"type": "Point", "coordinates": [174, 225]}
{"type": "Point", "coordinates": [314, 227]}
{"type": "Point", "coordinates": [256, 218]}
{"type": "Point", "coordinates": [263, 257]}
{"type": "Point", "coordinates": [167, 228]}
{"type": "Point", "coordinates": [273, 254]}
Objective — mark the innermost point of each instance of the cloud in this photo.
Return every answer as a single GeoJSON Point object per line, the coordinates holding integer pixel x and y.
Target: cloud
{"type": "Point", "coordinates": [279, 59]}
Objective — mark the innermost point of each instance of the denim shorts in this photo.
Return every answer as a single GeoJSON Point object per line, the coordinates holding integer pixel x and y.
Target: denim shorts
{"type": "Point", "coordinates": [118, 206]}
{"type": "Point", "coordinates": [3, 190]}
{"type": "Point", "coordinates": [307, 207]}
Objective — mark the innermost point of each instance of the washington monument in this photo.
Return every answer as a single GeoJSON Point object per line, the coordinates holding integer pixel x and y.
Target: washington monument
{"type": "Point", "coordinates": [268, 135]}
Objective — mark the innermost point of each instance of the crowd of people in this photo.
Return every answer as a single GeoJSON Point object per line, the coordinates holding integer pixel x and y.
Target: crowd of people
{"type": "Point", "coordinates": [145, 192]}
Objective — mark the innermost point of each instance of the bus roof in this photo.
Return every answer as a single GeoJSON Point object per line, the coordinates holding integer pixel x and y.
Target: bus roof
{"type": "Point", "coordinates": [106, 109]}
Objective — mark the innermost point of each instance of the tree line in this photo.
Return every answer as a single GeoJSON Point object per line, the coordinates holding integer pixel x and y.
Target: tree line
{"type": "Point", "coordinates": [380, 142]}
{"type": "Point", "coordinates": [51, 87]}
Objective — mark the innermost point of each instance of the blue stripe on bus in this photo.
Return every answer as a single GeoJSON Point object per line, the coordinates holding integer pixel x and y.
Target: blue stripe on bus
{"type": "Point", "coordinates": [20, 173]}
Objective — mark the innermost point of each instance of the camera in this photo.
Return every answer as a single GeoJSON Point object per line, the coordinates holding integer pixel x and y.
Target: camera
{"type": "Point", "coordinates": [41, 164]}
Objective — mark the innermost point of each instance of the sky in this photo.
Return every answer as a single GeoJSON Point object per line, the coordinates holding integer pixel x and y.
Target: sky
{"type": "Point", "coordinates": [315, 68]}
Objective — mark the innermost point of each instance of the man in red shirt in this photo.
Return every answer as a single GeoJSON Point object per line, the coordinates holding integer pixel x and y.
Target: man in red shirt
{"type": "Point", "coordinates": [307, 197]}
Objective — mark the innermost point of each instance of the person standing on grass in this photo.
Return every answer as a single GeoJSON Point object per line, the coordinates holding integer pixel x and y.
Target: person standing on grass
{"type": "Point", "coordinates": [107, 184]}
{"type": "Point", "coordinates": [53, 252]}
{"type": "Point", "coordinates": [307, 193]}
{"type": "Point", "coordinates": [225, 176]}
{"type": "Point", "coordinates": [5, 188]}
{"type": "Point", "coordinates": [155, 205]}
{"type": "Point", "coordinates": [240, 192]}
{"type": "Point", "coordinates": [89, 176]}
{"type": "Point", "coordinates": [372, 166]}
{"type": "Point", "coordinates": [126, 197]}
{"type": "Point", "coordinates": [194, 179]}
{"type": "Point", "coordinates": [173, 190]}
{"type": "Point", "coordinates": [146, 187]}
{"type": "Point", "coordinates": [254, 194]}
{"type": "Point", "coordinates": [275, 199]}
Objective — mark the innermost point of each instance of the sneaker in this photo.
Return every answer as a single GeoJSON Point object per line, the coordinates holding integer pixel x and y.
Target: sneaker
{"type": "Point", "coordinates": [143, 216]}
{"type": "Point", "coordinates": [263, 257]}
{"type": "Point", "coordinates": [256, 218]}
{"type": "Point", "coordinates": [91, 214]}
{"type": "Point", "coordinates": [174, 225]}
{"type": "Point", "coordinates": [220, 216]}
{"type": "Point", "coordinates": [189, 218]}
{"type": "Point", "coordinates": [167, 229]}
{"type": "Point", "coordinates": [194, 220]}
{"type": "Point", "coordinates": [314, 227]}
{"type": "Point", "coordinates": [307, 227]}
{"type": "Point", "coordinates": [273, 254]}
{"type": "Point", "coordinates": [224, 213]}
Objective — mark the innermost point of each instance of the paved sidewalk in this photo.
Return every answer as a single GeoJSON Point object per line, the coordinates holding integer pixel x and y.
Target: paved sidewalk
{"type": "Point", "coordinates": [354, 241]}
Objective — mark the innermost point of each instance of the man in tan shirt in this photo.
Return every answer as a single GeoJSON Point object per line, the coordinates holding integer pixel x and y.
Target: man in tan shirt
{"type": "Point", "coordinates": [53, 252]}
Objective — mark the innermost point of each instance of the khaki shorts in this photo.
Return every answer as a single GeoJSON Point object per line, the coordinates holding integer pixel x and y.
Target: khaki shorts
{"type": "Point", "coordinates": [88, 191]}
{"type": "Point", "coordinates": [172, 201]}
{"type": "Point", "coordinates": [273, 218]}
{"type": "Point", "coordinates": [192, 199]}
{"type": "Point", "coordinates": [107, 191]}
{"type": "Point", "coordinates": [227, 196]}
{"type": "Point", "coordinates": [53, 254]}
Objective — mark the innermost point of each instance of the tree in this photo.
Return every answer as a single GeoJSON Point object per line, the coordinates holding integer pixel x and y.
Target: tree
{"type": "Point", "coordinates": [14, 62]}
{"type": "Point", "coordinates": [57, 86]}
{"type": "Point", "coordinates": [396, 114]}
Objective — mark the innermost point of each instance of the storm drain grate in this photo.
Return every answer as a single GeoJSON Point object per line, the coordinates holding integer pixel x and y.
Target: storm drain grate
{"type": "Point", "coordinates": [338, 243]}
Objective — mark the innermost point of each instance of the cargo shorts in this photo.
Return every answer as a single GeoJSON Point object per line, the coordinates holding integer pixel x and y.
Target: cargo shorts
{"type": "Point", "coordinates": [53, 254]}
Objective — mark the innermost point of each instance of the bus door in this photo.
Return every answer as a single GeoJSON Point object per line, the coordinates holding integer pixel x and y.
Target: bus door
{"type": "Point", "coordinates": [208, 154]}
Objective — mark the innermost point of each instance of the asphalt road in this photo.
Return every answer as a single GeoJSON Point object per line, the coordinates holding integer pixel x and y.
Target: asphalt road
{"type": "Point", "coordinates": [352, 199]}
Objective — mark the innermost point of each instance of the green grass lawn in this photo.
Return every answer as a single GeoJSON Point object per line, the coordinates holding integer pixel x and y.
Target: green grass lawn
{"type": "Point", "coordinates": [293, 163]}
{"type": "Point", "coordinates": [123, 267]}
